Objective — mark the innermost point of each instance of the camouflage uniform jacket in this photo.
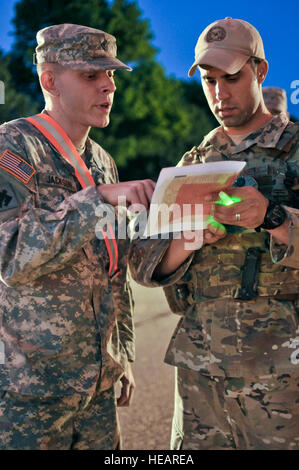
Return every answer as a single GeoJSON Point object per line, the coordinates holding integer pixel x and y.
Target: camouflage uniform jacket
{"type": "Point", "coordinates": [219, 335]}
{"type": "Point", "coordinates": [62, 323]}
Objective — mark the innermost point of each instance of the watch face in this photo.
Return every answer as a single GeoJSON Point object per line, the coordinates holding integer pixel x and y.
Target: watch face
{"type": "Point", "coordinates": [275, 216]}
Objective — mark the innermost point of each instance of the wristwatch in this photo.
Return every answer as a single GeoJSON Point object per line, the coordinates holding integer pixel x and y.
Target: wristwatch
{"type": "Point", "coordinates": [274, 217]}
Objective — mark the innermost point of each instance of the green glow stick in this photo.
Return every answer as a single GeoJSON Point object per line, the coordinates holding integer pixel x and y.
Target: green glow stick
{"type": "Point", "coordinates": [226, 200]}
{"type": "Point", "coordinates": [211, 221]}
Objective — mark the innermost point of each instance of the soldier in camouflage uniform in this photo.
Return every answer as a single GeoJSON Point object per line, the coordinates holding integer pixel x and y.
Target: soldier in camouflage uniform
{"type": "Point", "coordinates": [236, 346]}
{"type": "Point", "coordinates": [275, 100]}
{"type": "Point", "coordinates": [66, 329]}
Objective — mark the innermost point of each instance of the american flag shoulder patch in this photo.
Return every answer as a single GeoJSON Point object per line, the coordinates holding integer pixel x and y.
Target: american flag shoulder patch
{"type": "Point", "coordinates": [16, 166]}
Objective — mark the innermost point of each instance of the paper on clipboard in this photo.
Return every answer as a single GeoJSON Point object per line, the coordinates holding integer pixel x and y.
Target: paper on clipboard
{"type": "Point", "coordinates": [178, 200]}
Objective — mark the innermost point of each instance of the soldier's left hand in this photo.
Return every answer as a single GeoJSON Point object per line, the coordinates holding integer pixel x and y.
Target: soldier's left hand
{"type": "Point", "coordinates": [127, 387]}
{"type": "Point", "coordinates": [249, 213]}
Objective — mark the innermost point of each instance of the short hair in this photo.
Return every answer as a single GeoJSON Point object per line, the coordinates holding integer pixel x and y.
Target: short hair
{"type": "Point", "coordinates": [51, 66]}
{"type": "Point", "coordinates": [254, 63]}
{"type": "Point", "coordinates": [47, 67]}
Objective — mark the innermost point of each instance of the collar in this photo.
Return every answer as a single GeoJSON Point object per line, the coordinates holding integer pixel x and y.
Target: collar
{"type": "Point", "coordinates": [266, 137]}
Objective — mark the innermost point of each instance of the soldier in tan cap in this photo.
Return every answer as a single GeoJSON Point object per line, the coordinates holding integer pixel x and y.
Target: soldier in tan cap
{"type": "Point", "coordinates": [236, 346]}
{"type": "Point", "coordinates": [66, 328]}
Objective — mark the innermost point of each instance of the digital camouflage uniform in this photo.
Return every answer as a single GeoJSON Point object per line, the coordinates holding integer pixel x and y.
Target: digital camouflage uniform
{"type": "Point", "coordinates": [237, 360]}
{"type": "Point", "coordinates": [66, 329]}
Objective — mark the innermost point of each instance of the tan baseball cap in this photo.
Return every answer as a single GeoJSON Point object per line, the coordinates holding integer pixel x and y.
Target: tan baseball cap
{"type": "Point", "coordinates": [275, 99]}
{"type": "Point", "coordinates": [227, 44]}
{"type": "Point", "coordinates": [77, 47]}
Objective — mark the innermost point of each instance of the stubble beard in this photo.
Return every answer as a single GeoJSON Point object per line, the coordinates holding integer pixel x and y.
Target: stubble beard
{"type": "Point", "coordinates": [240, 120]}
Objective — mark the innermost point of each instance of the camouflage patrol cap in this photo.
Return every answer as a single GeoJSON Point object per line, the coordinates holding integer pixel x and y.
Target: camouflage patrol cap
{"type": "Point", "coordinates": [275, 99]}
{"type": "Point", "coordinates": [77, 47]}
{"type": "Point", "coordinates": [227, 44]}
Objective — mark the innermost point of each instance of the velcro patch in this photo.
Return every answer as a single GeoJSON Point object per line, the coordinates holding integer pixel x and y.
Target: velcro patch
{"type": "Point", "coordinates": [16, 166]}
{"type": "Point", "coordinates": [7, 198]}
{"type": "Point", "coordinates": [55, 180]}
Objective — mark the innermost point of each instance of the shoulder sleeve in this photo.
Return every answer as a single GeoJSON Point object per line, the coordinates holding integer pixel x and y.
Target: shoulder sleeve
{"type": "Point", "coordinates": [144, 257]}
{"type": "Point", "coordinates": [35, 241]}
{"type": "Point", "coordinates": [288, 255]}
{"type": "Point", "coordinates": [124, 310]}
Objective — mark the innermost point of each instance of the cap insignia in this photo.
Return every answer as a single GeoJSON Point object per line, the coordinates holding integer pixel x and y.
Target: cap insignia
{"type": "Point", "coordinates": [217, 33]}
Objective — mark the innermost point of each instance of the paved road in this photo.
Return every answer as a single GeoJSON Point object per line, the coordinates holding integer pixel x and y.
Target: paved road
{"type": "Point", "coordinates": [146, 423]}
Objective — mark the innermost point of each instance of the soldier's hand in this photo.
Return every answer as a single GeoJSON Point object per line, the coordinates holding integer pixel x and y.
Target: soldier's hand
{"type": "Point", "coordinates": [213, 233]}
{"type": "Point", "coordinates": [127, 387]}
{"type": "Point", "coordinates": [134, 192]}
{"type": "Point", "coordinates": [248, 213]}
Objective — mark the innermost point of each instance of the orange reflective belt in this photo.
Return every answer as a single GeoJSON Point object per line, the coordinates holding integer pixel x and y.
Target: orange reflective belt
{"type": "Point", "coordinates": [63, 144]}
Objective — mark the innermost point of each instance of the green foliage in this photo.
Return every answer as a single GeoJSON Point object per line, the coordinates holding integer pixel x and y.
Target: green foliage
{"type": "Point", "coordinates": [153, 121]}
{"type": "Point", "coordinates": [122, 19]}
{"type": "Point", "coordinates": [16, 104]}
{"type": "Point", "coordinates": [155, 118]}
{"type": "Point", "coordinates": [132, 33]}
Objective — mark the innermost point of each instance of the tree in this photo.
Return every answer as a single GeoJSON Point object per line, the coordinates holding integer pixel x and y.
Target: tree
{"type": "Point", "coordinates": [154, 119]}
{"type": "Point", "coordinates": [15, 104]}
{"type": "Point", "coordinates": [122, 19]}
